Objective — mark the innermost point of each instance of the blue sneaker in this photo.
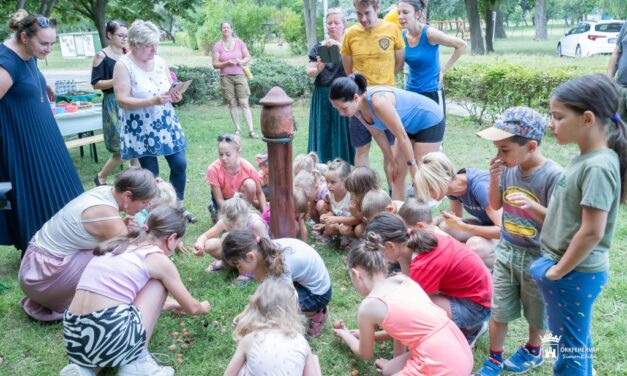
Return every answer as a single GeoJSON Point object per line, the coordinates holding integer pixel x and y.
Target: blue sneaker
{"type": "Point", "coordinates": [522, 361]}
{"type": "Point", "coordinates": [490, 368]}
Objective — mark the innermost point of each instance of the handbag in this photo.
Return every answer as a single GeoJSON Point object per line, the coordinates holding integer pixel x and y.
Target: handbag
{"type": "Point", "coordinates": [248, 73]}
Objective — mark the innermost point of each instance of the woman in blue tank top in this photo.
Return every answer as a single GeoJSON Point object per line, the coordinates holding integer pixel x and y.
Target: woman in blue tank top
{"type": "Point", "coordinates": [415, 121]}
{"type": "Point", "coordinates": [422, 52]}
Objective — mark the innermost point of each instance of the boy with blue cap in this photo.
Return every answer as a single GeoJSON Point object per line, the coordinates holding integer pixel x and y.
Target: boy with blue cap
{"type": "Point", "coordinates": [521, 182]}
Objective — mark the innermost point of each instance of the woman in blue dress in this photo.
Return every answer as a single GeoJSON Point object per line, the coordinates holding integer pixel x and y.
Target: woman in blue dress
{"type": "Point", "coordinates": [416, 122]}
{"type": "Point", "coordinates": [33, 156]}
{"type": "Point", "coordinates": [422, 51]}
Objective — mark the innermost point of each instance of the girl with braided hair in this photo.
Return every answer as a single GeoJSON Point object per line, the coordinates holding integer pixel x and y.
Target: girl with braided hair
{"type": "Point", "coordinates": [401, 307]}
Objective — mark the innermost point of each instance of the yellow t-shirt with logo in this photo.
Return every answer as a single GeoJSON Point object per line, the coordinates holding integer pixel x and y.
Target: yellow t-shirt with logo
{"type": "Point", "coordinates": [372, 51]}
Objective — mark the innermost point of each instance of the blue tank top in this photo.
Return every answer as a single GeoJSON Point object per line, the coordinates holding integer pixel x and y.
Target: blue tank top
{"type": "Point", "coordinates": [416, 111]}
{"type": "Point", "coordinates": [424, 64]}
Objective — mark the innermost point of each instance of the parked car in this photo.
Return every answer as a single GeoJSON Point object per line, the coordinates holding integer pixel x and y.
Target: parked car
{"type": "Point", "coordinates": [590, 38]}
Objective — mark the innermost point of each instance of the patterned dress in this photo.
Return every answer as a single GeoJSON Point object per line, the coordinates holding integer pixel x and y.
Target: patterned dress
{"type": "Point", "coordinates": [150, 131]}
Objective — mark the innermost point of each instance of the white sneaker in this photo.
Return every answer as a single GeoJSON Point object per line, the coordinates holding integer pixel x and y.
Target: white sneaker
{"type": "Point", "coordinates": [73, 369]}
{"type": "Point", "coordinates": [143, 367]}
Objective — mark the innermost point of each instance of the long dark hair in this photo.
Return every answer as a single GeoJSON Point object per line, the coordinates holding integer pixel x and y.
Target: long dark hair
{"type": "Point", "coordinates": [600, 95]}
{"type": "Point", "coordinates": [162, 222]}
{"type": "Point", "coordinates": [345, 88]}
{"type": "Point", "coordinates": [391, 228]}
{"type": "Point", "coordinates": [238, 243]}
{"type": "Point", "coordinates": [113, 26]}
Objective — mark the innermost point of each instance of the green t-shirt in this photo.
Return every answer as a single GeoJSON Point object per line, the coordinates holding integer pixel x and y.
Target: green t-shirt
{"type": "Point", "coordinates": [591, 180]}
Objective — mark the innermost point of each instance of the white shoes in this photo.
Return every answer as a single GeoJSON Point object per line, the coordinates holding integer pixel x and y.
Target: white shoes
{"type": "Point", "coordinates": [145, 366]}
{"type": "Point", "coordinates": [73, 369]}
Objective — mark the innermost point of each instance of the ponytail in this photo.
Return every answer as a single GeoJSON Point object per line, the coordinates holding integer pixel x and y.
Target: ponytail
{"type": "Point", "coordinates": [421, 241]}
{"type": "Point", "coordinates": [345, 88]}
{"type": "Point", "coordinates": [368, 255]}
{"type": "Point", "coordinates": [238, 243]}
{"type": "Point", "coordinates": [600, 95]}
{"type": "Point", "coordinates": [391, 228]}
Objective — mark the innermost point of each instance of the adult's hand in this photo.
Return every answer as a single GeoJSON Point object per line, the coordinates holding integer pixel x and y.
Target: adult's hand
{"type": "Point", "coordinates": [176, 96]}
{"type": "Point", "coordinates": [161, 99]}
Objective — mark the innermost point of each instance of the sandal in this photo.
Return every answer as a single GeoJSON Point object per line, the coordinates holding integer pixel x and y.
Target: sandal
{"type": "Point", "coordinates": [215, 266]}
{"type": "Point", "coordinates": [252, 134]}
{"type": "Point", "coordinates": [243, 278]}
{"type": "Point", "coordinates": [237, 132]}
{"type": "Point", "coordinates": [191, 218]}
{"type": "Point", "coordinates": [98, 182]}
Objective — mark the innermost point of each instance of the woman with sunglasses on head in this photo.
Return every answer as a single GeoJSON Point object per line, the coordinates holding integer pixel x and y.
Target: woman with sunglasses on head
{"type": "Point", "coordinates": [231, 175]}
{"type": "Point", "coordinates": [33, 156]}
{"type": "Point", "coordinates": [102, 79]}
{"type": "Point", "coordinates": [149, 127]}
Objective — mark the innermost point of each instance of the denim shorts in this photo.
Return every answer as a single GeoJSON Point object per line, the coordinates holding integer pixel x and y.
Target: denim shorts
{"type": "Point", "coordinates": [360, 135]}
{"type": "Point", "coordinates": [466, 313]}
{"type": "Point", "coordinates": [309, 302]}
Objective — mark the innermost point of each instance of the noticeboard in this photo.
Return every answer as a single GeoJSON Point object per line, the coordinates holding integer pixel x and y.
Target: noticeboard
{"type": "Point", "coordinates": [78, 45]}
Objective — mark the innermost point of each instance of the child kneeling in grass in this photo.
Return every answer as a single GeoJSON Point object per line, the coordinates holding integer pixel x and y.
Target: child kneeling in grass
{"type": "Point", "coordinates": [119, 297]}
{"type": "Point", "coordinates": [270, 332]}
{"type": "Point", "coordinates": [291, 259]}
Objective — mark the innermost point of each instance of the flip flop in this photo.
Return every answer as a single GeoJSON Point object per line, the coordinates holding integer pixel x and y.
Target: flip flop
{"type": "Point", "coordinates": [215, 266]}
{"type": "Point", "coordinates": [244, 278]}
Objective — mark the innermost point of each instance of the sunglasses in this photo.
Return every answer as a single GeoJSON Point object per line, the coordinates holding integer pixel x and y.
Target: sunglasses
{"type": "Point", "coordinates": [45, 22]}
{"type": "Point", "coordinates": [226, 138]}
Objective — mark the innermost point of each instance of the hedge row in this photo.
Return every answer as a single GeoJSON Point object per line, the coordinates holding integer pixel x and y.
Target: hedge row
{"type": "Point", "coordinates": [486, 90]}
{"type": "Point", "coordinates": [267, 73]}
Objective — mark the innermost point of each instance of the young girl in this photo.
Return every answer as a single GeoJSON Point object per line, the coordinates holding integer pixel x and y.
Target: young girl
{"type": "Point", "coordinates": [581, 216]}
{"type": "Point", "coordinates": [230, 175]}
{"type": "Point", "coordinates": [236, 214]}
{"type": "Point", "coordinates": [467, 190]}
{"type": "Point", "coordinates": [415, 121]}
{"type": "Point", "coordinates": [272, 321]}
{"type": "Point", "coordinates": [453, 276]}
{"type": "Point", "coordinates": [264, 173]}
{"type": "Point", "coordinates": [359, 182]}
{"type": "Point", "coordinates": [291, 259]}
{"type": "Point", "coordinates": [166, 196]}
{"type": "Point", "coordinates": [119, 298]}
{"type": "Point", "coordinates": [310, 190]}
{"type": "Point", "coordinates": [337, 200]}
{"type": "Point", "coordinates": [308, 162]}
{"type": "Point", "coordinates": [400, 307]}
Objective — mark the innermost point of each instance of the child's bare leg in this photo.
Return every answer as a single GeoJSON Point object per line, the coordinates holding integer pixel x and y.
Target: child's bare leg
{"type": "Point", "coordinates": [498, 332]}
{"type": "Point", "coordinates": [535, 336]}
{"type": "Point", "coordinates": [322, 207]}
{"type": "Point", "coordinates": [345, 230]}
{"type": "Point", "coordinates": [332, 229]}
{"type": "Point", "coordinates": [248, 189]}
{"type": "Point", "coordinates": [484, 248]}
{"type": "Point", "coordinates": [149, 301]}
{"type": "Point", "coordinates": [359, 230]}
{"type": "Point", "coordinates": [444, 303]}
{"type": "Point", "coordinates": [213, 247]}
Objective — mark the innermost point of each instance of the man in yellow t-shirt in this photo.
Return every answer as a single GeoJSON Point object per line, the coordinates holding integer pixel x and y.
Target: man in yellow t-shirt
{"type": "Point", "coordinates": [374, 48]}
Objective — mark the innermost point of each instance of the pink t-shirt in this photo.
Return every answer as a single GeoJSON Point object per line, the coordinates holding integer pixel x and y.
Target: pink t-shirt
{"type": "Point", "coordinates": [223, 55]}
{"type": "Point", "coordinates": [454, 270]}
{"type": "Point", "coordinates": [229, 184]}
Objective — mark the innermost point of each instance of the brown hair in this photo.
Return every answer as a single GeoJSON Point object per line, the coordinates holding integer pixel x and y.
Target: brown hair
{"type": "Point", "coordinates": [414, 211]}
{"type": "Point", "coordinates": [140, 182]}
{"type": "Point", "coordinates": [368, 255]}
{"type": "Point", "coordinates": [361, 181]}
{"type": "Point", "coordinates": [22, 22]}
{"type": "Point", "coordinates": [238, 243]}
{"type": "Point", "coordinates": [391, 228]}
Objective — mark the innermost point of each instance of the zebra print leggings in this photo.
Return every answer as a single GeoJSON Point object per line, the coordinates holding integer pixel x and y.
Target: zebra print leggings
{"type": "Point", "coordinates": [107, 338]}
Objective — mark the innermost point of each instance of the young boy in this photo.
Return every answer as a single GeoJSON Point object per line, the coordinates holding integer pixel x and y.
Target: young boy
{"type": "Point", "coordinates": [521, 182]}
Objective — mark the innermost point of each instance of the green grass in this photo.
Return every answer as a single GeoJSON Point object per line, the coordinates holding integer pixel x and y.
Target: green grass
{"type": "Point", "coordinates": [29, 347]}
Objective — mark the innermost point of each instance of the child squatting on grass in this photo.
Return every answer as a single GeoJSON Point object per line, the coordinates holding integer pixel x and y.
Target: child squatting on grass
{"type": "Point", "coordinates": [581, 217]}
{"type": "Point", "coordinates": [287, 258]}
{"type": "Point", "coordinates": [452, 275]}
{"type": "Point", "coordinates": [236, 213]}
{"type": "Point", "coordinates": [521, 182]}
{"type": "Point", "coordinates": [119, 297]}
{"type": "Point", "coordinates": [269, 335]}
{"type": "Point", "coordinates": [399, 306]}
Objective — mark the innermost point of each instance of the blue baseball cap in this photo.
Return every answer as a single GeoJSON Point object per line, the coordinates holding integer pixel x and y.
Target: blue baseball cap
{"type": "Point", "coordinates": [516, 121]}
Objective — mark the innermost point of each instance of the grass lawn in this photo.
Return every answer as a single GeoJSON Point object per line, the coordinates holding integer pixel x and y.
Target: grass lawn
{"type": "Point", "coordinates": [30, 348]}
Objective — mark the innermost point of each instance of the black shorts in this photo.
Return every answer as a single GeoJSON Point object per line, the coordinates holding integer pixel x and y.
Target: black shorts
{"type": "Point", "coordinates": [432, 134]}
{"type": "Point", "coordinates": [360, 135]}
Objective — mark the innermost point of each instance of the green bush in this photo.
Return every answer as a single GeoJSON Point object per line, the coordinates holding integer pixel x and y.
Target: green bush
{"type": "Point", "coordinates": [204, 39]}
{"type": "Point", "coordinates": [267, 73]}
{"type": "Point", "coordinates": [293, 30]}
{"type": "Point", "coordinates": [486, 90]}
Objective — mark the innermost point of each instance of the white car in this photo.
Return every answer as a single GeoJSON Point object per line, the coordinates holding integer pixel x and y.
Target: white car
{"type": "Point", "coordinates": [590, 38]}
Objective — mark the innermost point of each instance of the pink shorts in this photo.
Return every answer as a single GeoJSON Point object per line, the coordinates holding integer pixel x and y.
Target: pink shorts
{"type": "Point", "coordinates": [49, 281]}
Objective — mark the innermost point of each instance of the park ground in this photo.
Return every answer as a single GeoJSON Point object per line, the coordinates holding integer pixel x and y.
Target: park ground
{"type": "Point", "coordinates": [28, 347]}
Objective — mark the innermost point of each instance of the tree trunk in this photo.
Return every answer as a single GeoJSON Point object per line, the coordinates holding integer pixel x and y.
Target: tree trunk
{"type": "Point", "coordinates": [476, 39]}
{"type": "Point", "coordinates": [45, 7]}
{"type": "Point", "coordinates": [98, 10]}
{"type": "Point", "coordinates": [500, 25]}
{"type": "Point", "coordinates": [540, 21]}
{"type": "Point", "coordinates": [489, 27]}
{"type": "Point", "coordinates": [20, 4]}
{"type": "Point", "coordinates": [310, 22]}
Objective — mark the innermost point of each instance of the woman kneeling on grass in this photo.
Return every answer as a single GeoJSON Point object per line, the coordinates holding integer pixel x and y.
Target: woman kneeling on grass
{"type": "Point", "coordinates": [287, 258]}
{"type": "Point", "coordinates": [119, 297]}
{"type": "Point", "coordinates": [400, 307]}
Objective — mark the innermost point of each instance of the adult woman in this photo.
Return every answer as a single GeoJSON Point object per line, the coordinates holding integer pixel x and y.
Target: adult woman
{"type": "Point", "coordinates": [60, 250]}
{"type": "Point", "coordinates": [328, 131]}
{"type": "Point", "coordinates": [149, 127]}
{"type": "Point", "coordinates": [33, 156]}
{"type": "Point", "coordinates": [102, 79]}
{"type": "Point", "coordinates": [422, 51]}
{"type": "Point", "coordinates": [230, 55]}
{"type": "Point", "coordinates": [415, 121]}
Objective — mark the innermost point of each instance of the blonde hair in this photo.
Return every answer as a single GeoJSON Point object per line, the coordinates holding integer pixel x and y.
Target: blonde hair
{"type": "Point", "coordinates": [142, 32]}
{"type": "Point", "coordinates": [230, 138]}
{"type": "Point", "coordinates": [305, 162]}
{"type": "Point", "coordinates": [274, 305]}
{"type": "Point", "coordinates": [234, 212]}
{"type": "Point", "coordinates": [305, 184]}
{"type": "Point", "coordinates": [166, 194]}
{"type": "Point", "coordinates": [434, 174]}
{"type": "Point", "coordinates": [336, 11]}
{"type": "Point", "coordinates": [374, 202]}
